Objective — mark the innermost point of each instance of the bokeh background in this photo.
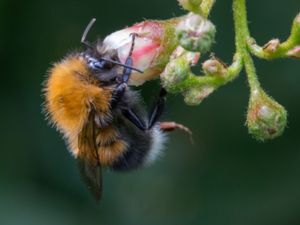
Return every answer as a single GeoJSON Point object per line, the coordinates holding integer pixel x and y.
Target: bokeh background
{"type": "Point", "coordinates": [224, 178]}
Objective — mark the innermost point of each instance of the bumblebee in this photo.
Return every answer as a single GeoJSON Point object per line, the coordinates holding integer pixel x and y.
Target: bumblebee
{"type": "Point", "coordinates": [104, 123]}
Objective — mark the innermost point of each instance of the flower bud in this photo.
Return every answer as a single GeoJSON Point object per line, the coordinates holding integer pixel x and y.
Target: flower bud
{"type": "Point", "coordinates": [296, 26]}
{"type": "Point", "coordinates": [272, 46]}
{"type": "Point", "coordinates": [196, 33]}
{"type": "Point", "coordinates": [154, 43]}
{"type": "Point", "coordinates": [195, 96]}
{"type": "Point", "coordinates": [178, 69]}
{"type": "Point", "coordinates": [191, 5]}
{"type": "Point", "coordinates": [214, 67]}
{"type": "Point", "coordinates": [266, 119]}
{"type": "Point", "coordinates": [294, 52]}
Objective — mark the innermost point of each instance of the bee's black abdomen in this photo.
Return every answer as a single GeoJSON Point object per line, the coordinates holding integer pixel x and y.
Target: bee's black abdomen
{"type": "Point", "coordinates": [143, 146]}
{"type": "Point", "coordinates": [142, 150]}
{"type": "Point", "coordinates": [139, 143]}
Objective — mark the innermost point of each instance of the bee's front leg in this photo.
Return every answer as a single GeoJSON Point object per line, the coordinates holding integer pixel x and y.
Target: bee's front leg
{"type": "Point", "coordinates": [155, 114]}
{"type": "Point", "coordinates": [158, 107]}
{"type": "Point", "coordinates": [121, 87]}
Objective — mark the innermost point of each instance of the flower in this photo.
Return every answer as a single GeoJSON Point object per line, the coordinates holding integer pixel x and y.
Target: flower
{"type": "Point", "coordinates": [154, 43]}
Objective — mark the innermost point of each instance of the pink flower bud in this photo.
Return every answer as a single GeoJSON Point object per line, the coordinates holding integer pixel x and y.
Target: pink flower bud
{"type": "Point", "coordinates": [295, 52]}
{"type": "Point", "coordinates": [153, 45]}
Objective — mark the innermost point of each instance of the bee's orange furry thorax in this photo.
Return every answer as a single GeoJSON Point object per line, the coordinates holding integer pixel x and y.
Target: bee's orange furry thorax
{"type": "Point", "coordinates": [70, 94]}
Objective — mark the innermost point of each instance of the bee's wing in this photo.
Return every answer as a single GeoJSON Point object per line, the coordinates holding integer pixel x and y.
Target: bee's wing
{"type": "Point", "coordinates": [88, 159]}
{"type": "Point", "coordinates": [92, 177]}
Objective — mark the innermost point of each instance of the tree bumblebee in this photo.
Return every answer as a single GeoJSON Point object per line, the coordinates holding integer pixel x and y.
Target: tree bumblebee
{"type": "Point", "coordinates": [102, 120]}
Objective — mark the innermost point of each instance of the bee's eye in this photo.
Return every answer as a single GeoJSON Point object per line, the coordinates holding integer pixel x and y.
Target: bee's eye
{"type": "Point", "coordinates": [106, 65]}
{"type": "Point", "coordinates": [99, 64]}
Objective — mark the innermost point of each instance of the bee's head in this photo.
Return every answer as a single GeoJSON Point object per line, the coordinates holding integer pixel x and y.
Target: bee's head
{"type": "Point", "coordinates": [104, 65]}
{"type": "Point", "coordinates": [103, 70]}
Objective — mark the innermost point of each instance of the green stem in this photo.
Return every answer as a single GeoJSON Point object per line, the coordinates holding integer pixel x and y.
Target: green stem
{"type": "Point", "coordinates": [241, 36]}
{"type": "Point", "coordinates": [200, 7]}
{"type": "Point", "coordinates": [282, 49]}
{"type": "Point", "coordinates": [206, 7]}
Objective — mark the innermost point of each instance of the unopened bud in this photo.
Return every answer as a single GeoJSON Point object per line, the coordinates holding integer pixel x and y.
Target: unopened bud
{"type": "Point", "coordinates": [191, 5]}
{"type": "Point", "coordinates": [176, 71]}
{"type": "Point", "coordinates": [214, 67]}
{"type": "Point", "coordinates": [297, 19]}
{"type": "Point", "coordinates": [272, 46]}
{"type": "Point", "coordinates": [196, 33]}
{"type": "Point", "coordinates": [153, 44]}
{"type": "Point", "coordinates": [295, 31]}
{"type": "Point", "coordinates": [297, 22]}
{"type": "Point", "coordinates": [295, 52]}
{"type": "Point", "coordinates": [195, 96]}
{"type": "Point", "coordinates": [178, 68]}
{"type": "Point", "coordinates": [266, 119]}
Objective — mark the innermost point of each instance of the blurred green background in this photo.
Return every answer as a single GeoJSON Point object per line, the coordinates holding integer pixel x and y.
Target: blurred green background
{"type": "Point", "coordinates": [225, 178]}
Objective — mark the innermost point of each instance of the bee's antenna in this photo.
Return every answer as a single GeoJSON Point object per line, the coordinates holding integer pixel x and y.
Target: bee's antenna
{"type": "Point", "coordinates": [130, 53]}
{"type": "Point", "coordinates": [85, 33]}
{"type": "Point", "coordinates": [121, 64]}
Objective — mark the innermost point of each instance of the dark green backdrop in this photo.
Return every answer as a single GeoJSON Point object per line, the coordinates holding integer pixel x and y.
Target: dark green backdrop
{"type": "Point", "coordinates": [225, 178]}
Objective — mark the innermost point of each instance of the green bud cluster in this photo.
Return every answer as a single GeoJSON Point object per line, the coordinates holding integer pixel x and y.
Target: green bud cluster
{"type": "Point", "coordinates": [195, 34]}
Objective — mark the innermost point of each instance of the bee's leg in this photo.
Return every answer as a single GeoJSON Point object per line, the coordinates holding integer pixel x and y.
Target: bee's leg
{"type": "Point", "coordinates": [121, 87]}
{"type": "Point", "coordinates": [154, 115]}
{"type": "Point", "coordinates": [135, 119]}
{"type": "Point", "coordinates": [129, 62]}
{"type": "Point", "coordinates": [171, 126]}
{"type": "Point", "coordinates": [158, 107]}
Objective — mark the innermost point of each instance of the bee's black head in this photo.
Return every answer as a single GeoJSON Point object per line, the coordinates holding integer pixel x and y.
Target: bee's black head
{"type": "Point", "coordinates": [102, 63]}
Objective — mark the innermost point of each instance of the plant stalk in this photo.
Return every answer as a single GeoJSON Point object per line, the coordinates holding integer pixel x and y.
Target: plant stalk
{"type": "Point", "coordinates": [241, 36]}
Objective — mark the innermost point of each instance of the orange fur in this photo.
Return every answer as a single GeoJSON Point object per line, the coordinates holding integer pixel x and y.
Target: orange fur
{"type": "Point", "coordinates": [109, 147]}
{"type": "Point", "coordinates": [70, 93]}
{"type": "Point", "coordinates": [106, 136]}
{"type": "Point", "coordinates": [108, 154]}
